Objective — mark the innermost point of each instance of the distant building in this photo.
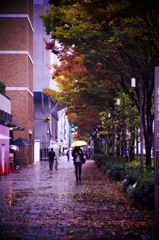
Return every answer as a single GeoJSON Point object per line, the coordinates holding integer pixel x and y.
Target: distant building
{"type": "Point", "coordinates": [45, 127]}
{"type": "Point", "coordinates": [45, 131]}
{"type": "Point", "coordinates": [64, 130]}
{"type": "Point", "coordinates": [16, 67]}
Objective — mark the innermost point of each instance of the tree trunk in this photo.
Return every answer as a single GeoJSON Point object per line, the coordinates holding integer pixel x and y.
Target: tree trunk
{"type": "Point", "coordinates": [137, 144]}
{"type": "Point", "coordinates": [118, 145]}
{"type": "Point", "coordinates": [132, 141]}
{"type": "Point", "coordinates": [148, 143]}
{"type": "Point", "coordinates": [147, 123]}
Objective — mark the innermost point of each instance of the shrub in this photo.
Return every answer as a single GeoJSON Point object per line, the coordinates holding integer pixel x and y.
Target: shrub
{"type": "Point", "coordinates": [115, 174]}
{"type": "Point", "coordinates": [143, 193]}
{"type": "Point", "coordinates": [140, 188]}
{"type": "Point", "coordinates": [2, 87]}
{"type": "Point", "coordinates": [130, 180]}
{"type": "Point", "coordinates": [130, 191]}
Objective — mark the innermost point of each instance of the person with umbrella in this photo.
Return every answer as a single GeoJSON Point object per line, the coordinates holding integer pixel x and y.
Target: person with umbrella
{"type": "Point", "coordinates": [12, 156]}
{"type": "Point", "coordinates": [77, 158]}
{"type": "Point", "coordinates": [51, 155]}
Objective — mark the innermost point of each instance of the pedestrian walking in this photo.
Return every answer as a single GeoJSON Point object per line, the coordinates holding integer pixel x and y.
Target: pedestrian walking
{"type": "Point", "coordinates": [68, 155]}
{"type": "Point", "coordinates": [51, 155]}
{"type": "Point", "coordinates": [77, 158]}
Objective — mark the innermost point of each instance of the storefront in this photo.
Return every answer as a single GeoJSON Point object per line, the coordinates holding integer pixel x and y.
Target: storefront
{"type": "Point", "coordinates": [4, 149]}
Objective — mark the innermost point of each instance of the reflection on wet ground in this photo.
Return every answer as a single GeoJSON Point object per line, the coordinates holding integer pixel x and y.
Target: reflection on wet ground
{"type": "Point", "coordinates": [36, 203]}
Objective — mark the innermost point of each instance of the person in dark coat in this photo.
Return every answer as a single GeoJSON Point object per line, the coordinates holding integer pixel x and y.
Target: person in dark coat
{"type": "Point", "coordinates": [77, 158]}
{"type": "Point", "coordinates": [51, 155]}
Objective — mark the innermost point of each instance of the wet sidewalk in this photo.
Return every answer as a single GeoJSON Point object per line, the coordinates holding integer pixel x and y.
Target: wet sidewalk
{"type": "Point", "coordinates": [36, 203]}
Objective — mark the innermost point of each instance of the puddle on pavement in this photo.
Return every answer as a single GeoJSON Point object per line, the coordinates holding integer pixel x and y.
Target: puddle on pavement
{"type": "Point", "coordinates": [19, 196]}
{"type": "Point", "coordinates": [23, 193]}
{"type": "Point", "coordinates": [14, 197]}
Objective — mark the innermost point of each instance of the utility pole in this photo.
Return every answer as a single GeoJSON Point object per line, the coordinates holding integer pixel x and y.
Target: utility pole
{"type": "Point", "coordinates": [157, 151]}
{"type": "Point", "coordinates": [141, 136]}
{"type": "Point", "coordinates": [124, 142]}
{"type": "Point", "coordinates": [112, 137]}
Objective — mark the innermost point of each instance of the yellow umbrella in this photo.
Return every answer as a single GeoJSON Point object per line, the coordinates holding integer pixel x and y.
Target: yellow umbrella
{"type": "Point", "coordinates": [78, 144]}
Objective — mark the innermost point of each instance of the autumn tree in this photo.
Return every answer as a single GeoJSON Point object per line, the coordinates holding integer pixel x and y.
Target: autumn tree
{"type": "Point", "coordinates": [115, 40]}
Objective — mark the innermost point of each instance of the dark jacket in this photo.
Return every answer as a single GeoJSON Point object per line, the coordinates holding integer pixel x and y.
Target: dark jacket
{"type": "Point", "coordinates": [51, 155]}
{"type": "Point", "coordinates": [77, 150]}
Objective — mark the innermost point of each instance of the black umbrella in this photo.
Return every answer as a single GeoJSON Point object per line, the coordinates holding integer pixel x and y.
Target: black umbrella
{"type": "Point", "coordinates": [21, 142]}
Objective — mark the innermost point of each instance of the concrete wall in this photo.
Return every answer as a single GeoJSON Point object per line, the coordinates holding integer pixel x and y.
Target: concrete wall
{"type": "Point", "coordinates": [44, 131]}
{"type": "Point", "coordinates": [41, 55]}
{"type": "Point", "coordinates": [5, 103]}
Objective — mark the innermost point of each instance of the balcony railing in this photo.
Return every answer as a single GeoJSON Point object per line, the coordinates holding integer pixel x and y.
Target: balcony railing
{"type": "Point", "coordinates": [5, 118]}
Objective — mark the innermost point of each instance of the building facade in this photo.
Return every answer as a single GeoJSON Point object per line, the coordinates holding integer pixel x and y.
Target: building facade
{"type": "Point", "coordinates": [16, 66]}
{"type": "Point", "coordinates": [5, 122]}
{"type": "Point", "coordinates": [64, 130]}
{"type": "Point", "coordinates": [45, 109]}
{"type": "Point", "coordinates": [45, 127]}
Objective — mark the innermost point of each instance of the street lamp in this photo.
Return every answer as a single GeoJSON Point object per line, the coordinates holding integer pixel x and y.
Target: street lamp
{"type": "Point", "coordinates": [124, 150]}
{"type": "Point", "coordinates": [118, 101]}
{"type": "Point", "coordinates": [133, 84]}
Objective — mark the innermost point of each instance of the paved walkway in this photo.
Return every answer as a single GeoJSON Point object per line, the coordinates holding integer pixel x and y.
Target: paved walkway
{"type": "Point", "coordinates": [36, 203]}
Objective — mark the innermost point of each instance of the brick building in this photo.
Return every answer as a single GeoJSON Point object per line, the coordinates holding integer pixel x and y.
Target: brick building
{"type": "Point", "coordinates": [16, 67]}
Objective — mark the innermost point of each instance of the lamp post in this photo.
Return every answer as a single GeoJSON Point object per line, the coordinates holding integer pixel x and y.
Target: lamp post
{"type": "Point", "coordinates": [124, 147]}
{"type": "Point", "coordinates": [133, 84]}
